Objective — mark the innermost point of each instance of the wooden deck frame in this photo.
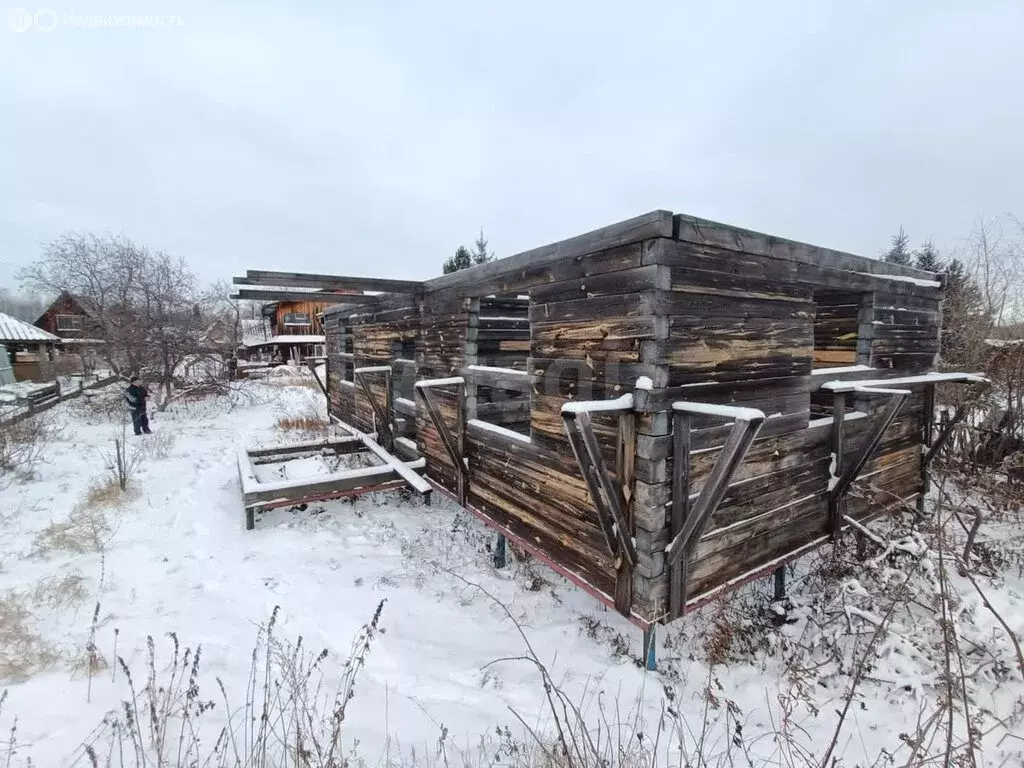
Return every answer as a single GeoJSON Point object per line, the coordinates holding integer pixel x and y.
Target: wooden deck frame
{"type": "Point", "coordinates": [392, 473]}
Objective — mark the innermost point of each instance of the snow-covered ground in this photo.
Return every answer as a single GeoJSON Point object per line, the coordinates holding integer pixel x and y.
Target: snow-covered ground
{"type": "Point", "coordinates": [176, 559]}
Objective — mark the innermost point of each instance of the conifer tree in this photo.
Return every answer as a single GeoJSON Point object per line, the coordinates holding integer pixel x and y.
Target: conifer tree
{"type": "Point", "coordinates": [899, 253]}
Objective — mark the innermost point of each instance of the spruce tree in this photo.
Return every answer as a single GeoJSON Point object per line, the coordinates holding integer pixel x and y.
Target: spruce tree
{"type": "Point", "coordinates": [927, 258]}
{"type": "Point", "coordinates": [461, 260]}
{"type": "Point", "coordinates": [480, 253]}
{"type": "Point", "coordinates": [464, 259]}
{"type": "Point", "coordinates": [900, 251]}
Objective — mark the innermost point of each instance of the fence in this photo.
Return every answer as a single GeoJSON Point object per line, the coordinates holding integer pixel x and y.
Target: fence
{"type": "Point", "coordinates": [45, 398]}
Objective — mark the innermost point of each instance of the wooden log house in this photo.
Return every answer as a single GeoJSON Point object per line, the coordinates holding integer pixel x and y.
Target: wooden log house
{"type": "Point", "coordinates": [661, 409]}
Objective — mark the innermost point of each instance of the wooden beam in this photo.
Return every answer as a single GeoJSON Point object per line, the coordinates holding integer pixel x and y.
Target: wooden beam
{"type": "Point", "coordinates": [625, 462]}
{"type": "Point", "coordinates": [322, 488]}
{"type": "Point", "coordinates": [460, 441]}
{"type": "Point", "coordinates": [488, 278]}
{"type": "Point", "coordinates": [413, 479]}
{"type": "Point", "coordinates": [680, 508]}
{"type": "Point", "coordinates": [704, 231]}
{"type": "Point", "coordinates": [327, 298]}
{"type": "Point", "coordinates": [335, 445]}
{"type": "Point", "coordinates": [503, 378]}
{"type": "Point", "coordinates": [328, 282]}
{"type": "Point", "coordinates": [837, 447]}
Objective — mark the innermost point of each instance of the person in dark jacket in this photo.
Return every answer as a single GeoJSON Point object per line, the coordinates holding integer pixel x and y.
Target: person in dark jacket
{"type": "Point", "coordinates": [136, 395]}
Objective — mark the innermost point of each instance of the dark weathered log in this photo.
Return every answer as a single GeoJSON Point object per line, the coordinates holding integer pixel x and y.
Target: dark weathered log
{"type": "Point", "coordinates": [327, 282]}
{"type": "Point", "coordinates": [680, 509]}
{"type": "Point", "coordinates": [625, 450]}
{"type": "Point", "coordinates": [250, 294]}
{"type": "Point", "coordinates": [705, 232]}
{"type": "Point", "coordinates": [493, 277]}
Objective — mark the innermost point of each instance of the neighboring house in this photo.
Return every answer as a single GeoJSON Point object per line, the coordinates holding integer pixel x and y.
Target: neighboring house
{"type": "Point", "coordinates": [74, 323]}
{"type": "Point", "coordinates": [220, 333]}
{"type": "Point", "coordinates": [296, 332]}
{"type": "Point", "coordinates": [69, 318]}
{"type": "Point", "coordinates": [30, 350]}
{"type": "Point", "coordinates": [295, 318]}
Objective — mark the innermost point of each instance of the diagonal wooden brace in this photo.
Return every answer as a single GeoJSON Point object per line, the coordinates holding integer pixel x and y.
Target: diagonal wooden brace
{"type": "Point", "coordinates": [382, 411]}
{"type": "Point", "coordinates": [870, 444]}
{"type": "Point", "coordinates": [452, 444]}
{"type": "Point", "coordinates": [605, 491]}
{"type": "Point", "coordinates": [740, 437]}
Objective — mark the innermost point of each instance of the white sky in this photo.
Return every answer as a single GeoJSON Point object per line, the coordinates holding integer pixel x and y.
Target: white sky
{"type": "Point", "coordinates": [373, 138]}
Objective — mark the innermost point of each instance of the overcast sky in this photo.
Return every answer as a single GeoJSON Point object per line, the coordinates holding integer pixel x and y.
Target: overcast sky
{"type": "Point", "coordinates": [373, 138]}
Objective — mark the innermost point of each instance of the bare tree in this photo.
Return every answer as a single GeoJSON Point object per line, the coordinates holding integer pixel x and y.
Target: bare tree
{"type": "Point", "coordinates": [995, 261]}
{"type": "Point", "coordinates": [145, 305]}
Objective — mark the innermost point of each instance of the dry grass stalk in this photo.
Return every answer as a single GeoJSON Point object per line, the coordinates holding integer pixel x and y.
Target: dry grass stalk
{"type": "Point", "coordinates": [288, 719]}
{"type": "Point", "coordinates": [305, 423]}
{"type": "Point", "coordinates": [23, 445]}
{"type": "Point", "coordinates": [23, 651]}
{"type": "Point", "coordinates": [86, 529]}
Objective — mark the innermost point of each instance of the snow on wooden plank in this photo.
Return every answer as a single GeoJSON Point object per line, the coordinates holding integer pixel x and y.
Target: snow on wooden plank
{"type": "Point", "coordinates": [308, 445]}
{"type": "Point", "coordinates": [723, 411]}
{"type": "Point", "coordinates": [450, 381]}
{"type": "Point", "coordinates": [841, 369]}
{"type": "Point", "coordinates": [905, 381]}
{"type": "Point", "coordinates": [621, 403]}
{"type": "Point", "coordinates": [337, 482]}
{"type": "Point", "coordinates": [374, 369]}
{"type": "Point", "coordinates": [484, 426]}
{"type": "Point", "coordinates": [404, 470]}
{"type": "Point", "coordinates": [497, 369]}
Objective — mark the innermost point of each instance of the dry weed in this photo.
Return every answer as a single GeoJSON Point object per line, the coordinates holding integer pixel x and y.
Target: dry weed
{"type": "Point", "coordinates": [158, 445]}
{"type": "Point", "coordinates": [297, 379]}
{"type": "Point", "coordinates": [23, 444]}
{"type": "Point", "coordinates": [23, 651]}
{"type": "Point", "coordinates": [88, 662]}
{"type": "Point", "coordinates": [60, 593]}
{"type": "Point", "coordinates": [305, 423]}
{"type": "Point", "coordinates": [87, 529]}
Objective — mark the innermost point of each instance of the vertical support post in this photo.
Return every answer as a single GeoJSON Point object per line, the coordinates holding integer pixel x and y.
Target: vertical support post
{"type": "Point", "coordinates": [460, 442]}
{"type": "Point", "coordinates": [625, 459]}
{"type": "Point", "coordinates": [780, 583]}
{"type": "Point", "coordinates": [927, 437]}
{"type": "Point", "coordinates": [680, 508]}
{"type": "Point", "coordinates": [838, 418]}
{"type": "Point", "coordinates": [389, 411]}
{"type": "Point", "coordinates": [500, 559]}
{"type": "Point", "coordinates": [649, 659]}
{"type": "Point", "coordinates": [250, 518]}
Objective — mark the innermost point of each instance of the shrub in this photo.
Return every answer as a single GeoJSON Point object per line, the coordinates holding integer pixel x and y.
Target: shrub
{"type": "Point", "coordinates": [23, 444]}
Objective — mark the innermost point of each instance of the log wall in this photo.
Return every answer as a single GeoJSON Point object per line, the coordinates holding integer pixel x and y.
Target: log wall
{"type": "Point", "coordinates": [706, 313]}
